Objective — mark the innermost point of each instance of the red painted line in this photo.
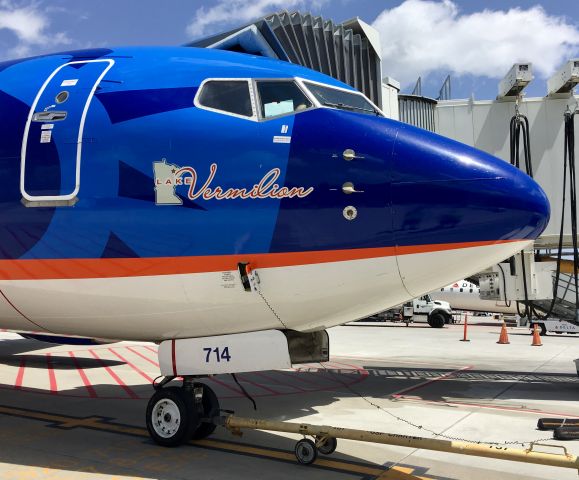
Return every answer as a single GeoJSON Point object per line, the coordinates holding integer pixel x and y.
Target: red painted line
{"type": "Point", "coordinates": [428, 382]}
{"type": "Point", "coordinates": [20, 375]}
{"type": "Point", "coordinates": [142, 356]}
{"type": "Point", "coordinates": [295, 375]}
{"type": "Point", "coordinates": [51, 376]}
{"type": "Point", "coordinates": [152, 349]}
{"type": "Point", "coordinates": [267, 389]}
{"type": "Point", "coordinates": [85, 380]}
{"type": "Point", "coordinates": [133, 366]}
{"type": "Point", "coordinates": [115, 377]}
{"type": "Point", "coordinates": [338, 364]}
{"type": "Point", "coordinates": [354, 367]}
{"type": "Point", "coordinates": [285, 384]}
{"type": "Point", "coordinates": [409, 399]}
{"type": "Point", "coordinates": [362, 373]}
{"type": "Point", "coordinates": [223, 384]}
{"type": "Point", "coordinates": [371, 359]}
{"type": "Point", "coordinates": [68, 395]}
{"type": "Point", "coordinates": [77, 268]}
{"type": "Point", "coordinates": [323, 375]}
{"type": "Point", "coordinates": [330, 366]}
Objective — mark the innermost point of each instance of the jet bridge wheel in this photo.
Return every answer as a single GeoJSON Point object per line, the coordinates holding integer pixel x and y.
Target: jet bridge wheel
{"type": "Point", "coordinates": [171, 416]}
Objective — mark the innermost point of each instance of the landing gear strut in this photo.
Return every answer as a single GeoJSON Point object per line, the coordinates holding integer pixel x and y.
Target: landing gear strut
{"type": "Point", "coordinates": [176, 415]}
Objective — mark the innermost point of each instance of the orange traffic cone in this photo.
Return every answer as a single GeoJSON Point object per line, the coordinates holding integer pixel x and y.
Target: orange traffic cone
{"type": "Point", "coordinates": [504, 336]}
{"type": "Point", "coordinates": [536, 337]}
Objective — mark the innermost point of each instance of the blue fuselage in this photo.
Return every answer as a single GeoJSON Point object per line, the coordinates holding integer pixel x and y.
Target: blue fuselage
{"type": "Point", "coordinates": [132, 190]}
{"type": "Point", "coordinates": [416, 188]}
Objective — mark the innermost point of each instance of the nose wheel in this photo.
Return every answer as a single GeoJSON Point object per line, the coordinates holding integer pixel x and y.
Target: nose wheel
{"type": "Point", "coordinates": [177, 414]}
{"type": "Point", "coordinates": [171, 416]}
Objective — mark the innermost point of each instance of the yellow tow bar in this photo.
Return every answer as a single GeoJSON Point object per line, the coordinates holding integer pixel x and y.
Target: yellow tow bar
{"type": "Point", "coordinates": [325, 441]}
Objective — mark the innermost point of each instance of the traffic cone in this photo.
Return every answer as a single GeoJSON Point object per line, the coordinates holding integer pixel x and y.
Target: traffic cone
{"type": "Point", "coordinates": [536, 337]}
{"type": "Point", "coordinates": [504, 336]}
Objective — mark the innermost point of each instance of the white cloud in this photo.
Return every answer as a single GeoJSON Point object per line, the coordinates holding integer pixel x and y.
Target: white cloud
{"type": "Point", "coordinates": [422, 36]}
{"type": "Point", "coordinates": [31, 28]}
{"type": "Point", "coordinates": [238, 12]}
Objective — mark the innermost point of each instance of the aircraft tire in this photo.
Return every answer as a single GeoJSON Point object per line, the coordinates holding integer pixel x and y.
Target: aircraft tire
{"type": "Point", "coordinates": [436, 320]}
{"type": "Point", "coordinates": [171, 416]}
{"type": "Point", "coordinates": [210, 404]}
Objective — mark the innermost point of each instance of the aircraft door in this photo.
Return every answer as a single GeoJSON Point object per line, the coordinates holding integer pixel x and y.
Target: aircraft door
{"type": "Point", "coordinates": [53, 136]}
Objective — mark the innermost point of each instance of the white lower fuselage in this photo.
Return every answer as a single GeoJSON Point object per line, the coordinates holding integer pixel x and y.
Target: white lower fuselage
{"type": "Point", "coordinates": [304, 297]}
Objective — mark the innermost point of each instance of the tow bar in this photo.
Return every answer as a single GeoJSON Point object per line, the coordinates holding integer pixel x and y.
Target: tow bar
{"type": "Point", "coordinates": [325, 441]}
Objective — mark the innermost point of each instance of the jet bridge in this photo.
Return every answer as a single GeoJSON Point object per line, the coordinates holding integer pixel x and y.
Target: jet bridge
{"type": "Point", "coordinates": [484, 124]}
{"type": "Point", "coordinates": [349, 51]}
{"type": "Point", "coordinates": [487, 125]}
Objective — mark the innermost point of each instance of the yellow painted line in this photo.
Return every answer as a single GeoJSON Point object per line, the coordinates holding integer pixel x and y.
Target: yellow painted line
{"type": "Point", "coordinates": [264, 452]}
{"type": "Point", "coordinates": [101, 424]}
{"type": "Point", "coordinates": [399, 473]}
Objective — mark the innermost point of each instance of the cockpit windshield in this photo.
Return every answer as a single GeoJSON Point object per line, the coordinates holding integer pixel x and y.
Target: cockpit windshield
{"type": "Point", "coordinates": [280, 97]}
{"type": "Point", "coordinates": [342, 99]}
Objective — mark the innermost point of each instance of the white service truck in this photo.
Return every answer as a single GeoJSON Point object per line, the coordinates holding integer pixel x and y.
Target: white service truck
{"type": "Point", "coordinates": [436, 313]}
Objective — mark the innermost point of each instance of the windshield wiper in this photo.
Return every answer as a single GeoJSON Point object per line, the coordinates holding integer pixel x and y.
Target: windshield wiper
{"type": "Point", "coordinates": [350, 107]}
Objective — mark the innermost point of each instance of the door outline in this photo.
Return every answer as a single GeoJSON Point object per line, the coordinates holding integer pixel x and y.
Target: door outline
{"type": "Point", "coordinates": [70, 196]}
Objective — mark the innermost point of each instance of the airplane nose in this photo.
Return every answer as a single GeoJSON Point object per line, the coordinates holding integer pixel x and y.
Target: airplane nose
{"type": "Point", "coordinates": [469, 207]}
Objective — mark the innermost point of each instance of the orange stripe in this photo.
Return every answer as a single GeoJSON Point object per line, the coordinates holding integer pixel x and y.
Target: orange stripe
{"type": "Point", "coordinates": [75, 268]}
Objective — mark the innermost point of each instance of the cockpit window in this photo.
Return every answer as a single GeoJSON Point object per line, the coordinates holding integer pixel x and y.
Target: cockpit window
{"type": "Point", "coordinates": [230, 96]}
{"type": "Point", "coordinates": [280, 97]}
{"type": "Point", "coordinates": [331, 97]}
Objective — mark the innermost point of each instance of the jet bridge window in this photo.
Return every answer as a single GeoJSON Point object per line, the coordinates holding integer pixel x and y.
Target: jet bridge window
{"type": "Point", "coordinates": [281, 97]}
{"type": "Point", "coordinates": [230, 96]}
{"type": "Point", "coordinates": [341, 99]}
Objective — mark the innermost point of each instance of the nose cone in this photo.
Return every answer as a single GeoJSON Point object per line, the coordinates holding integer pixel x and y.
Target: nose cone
{"type": "Point", "coordinates": [472, 209]}
{"type": "Point", "coordinates": [447, 192]}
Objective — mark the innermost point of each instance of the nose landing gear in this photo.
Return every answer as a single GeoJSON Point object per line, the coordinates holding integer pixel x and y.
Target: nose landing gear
{"type": "Point", "coordinates": [176, 415]}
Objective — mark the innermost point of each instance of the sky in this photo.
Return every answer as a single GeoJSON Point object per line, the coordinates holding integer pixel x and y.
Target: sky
{"type": "Point", "coordinates": [473, 41]}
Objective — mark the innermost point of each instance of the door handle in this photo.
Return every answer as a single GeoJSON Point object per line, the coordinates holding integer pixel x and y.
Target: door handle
{"type": "Point", "coordinates": [51, 116]}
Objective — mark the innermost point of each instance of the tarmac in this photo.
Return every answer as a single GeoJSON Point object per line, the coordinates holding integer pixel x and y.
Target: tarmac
{"type": "Point", "coordinates": [77, 412]}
